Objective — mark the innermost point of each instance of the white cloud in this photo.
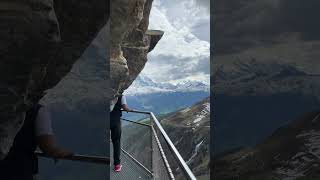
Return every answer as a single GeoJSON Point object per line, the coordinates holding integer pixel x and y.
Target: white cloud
{"type": "Point", "coordinates": [184, 51]}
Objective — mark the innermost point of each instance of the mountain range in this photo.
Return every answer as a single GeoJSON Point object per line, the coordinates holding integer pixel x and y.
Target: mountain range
{"type": "Point", "coordinates": [265, 69]}
{"type": "Point", "coordinates": [291, 152]}
{"type": "Point", "coordinates": [145, 85]}
{"type": "Point", "coordinates": [161, 98]}
{"type": "Point", "coordinates": [189, 130]}
{"type": "Point", "coordinates": [265, 82]}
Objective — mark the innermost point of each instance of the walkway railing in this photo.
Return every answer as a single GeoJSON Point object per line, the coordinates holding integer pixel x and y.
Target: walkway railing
{"type": "Point", "coordinates": [164, 156]}
{"type": "Point", "coordinates": [150, 148]}
{"type": "Point", "coordinates": [80, 158]}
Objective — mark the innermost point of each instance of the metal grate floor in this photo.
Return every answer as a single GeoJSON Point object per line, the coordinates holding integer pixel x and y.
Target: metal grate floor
{"type": "Point", "coordinates": [130, 169]}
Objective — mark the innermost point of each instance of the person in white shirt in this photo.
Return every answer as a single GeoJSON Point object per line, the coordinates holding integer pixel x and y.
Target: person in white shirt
{"type": "Point", "coordinates": [115, 127]}
{"type": "Point", "coordinates": [21, 162]}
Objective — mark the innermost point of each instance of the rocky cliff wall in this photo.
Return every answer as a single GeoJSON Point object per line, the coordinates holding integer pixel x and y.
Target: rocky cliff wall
{"type": "Point", "coordinates": [44, 40]}
{"type": "Point", "coordinates": [39, 42]}
{"type": "Point", "coordinates": [130, 41]}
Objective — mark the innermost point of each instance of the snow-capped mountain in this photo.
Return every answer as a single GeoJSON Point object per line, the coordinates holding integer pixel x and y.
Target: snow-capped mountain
{"type": "Point", "coordinates": [161, 98]}
{"type": "Point", "coordinates": [145, 85]}
{"type": "Point", "coordinates": [188, 85]}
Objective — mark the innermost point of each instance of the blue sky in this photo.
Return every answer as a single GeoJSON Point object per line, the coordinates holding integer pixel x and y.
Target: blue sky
{"type": "Point", "coordinates": [184, 51]}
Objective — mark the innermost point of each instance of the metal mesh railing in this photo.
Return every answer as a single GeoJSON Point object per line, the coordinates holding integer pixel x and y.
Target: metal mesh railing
{"type": "Point", "coordinates": [174, 165]}
{"type": "Point", "coordinates": [154, 149]}
{"type": "Point", "coordinates": [178, 167]}
{"type": "Point", "coordinates": [146, 143]}
{"type": "Point", "coordinates": [161, 167]}
{"type": "Point", "coordinates": [141, 149]}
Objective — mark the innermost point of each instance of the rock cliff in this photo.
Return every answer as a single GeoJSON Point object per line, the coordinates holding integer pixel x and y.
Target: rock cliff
{"type": "Point", "coordinates": [45, 39]}
{"type": "Point", "coordinates": [39, 43]}
{"type": "Point", "coordinates": [130, 42]}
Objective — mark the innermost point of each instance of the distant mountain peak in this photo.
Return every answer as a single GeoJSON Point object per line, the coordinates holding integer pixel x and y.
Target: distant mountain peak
{"type": "Point", "coordinates": [145, 85]}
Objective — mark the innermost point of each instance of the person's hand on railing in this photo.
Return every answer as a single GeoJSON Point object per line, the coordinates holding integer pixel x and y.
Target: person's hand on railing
{"type": "Point", "coordinates": [129, 110]}
{"type": "Point", "coordinates": [126, 108]}
{"type": "Point", "coordinates": [59, 153]}
{"type": "Point", "coordinates": [48, 145]}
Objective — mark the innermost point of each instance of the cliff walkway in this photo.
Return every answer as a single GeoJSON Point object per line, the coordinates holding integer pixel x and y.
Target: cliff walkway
{"type": "Point", "coordinates": [147, 153]}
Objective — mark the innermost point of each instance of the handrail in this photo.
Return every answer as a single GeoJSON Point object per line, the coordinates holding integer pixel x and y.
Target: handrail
{"type": "Point", "coordinates": [81, 158]}
{"type": "Point", "coordinates": [176, 153]}
{"type": "Point", "coordinates": [138, 112]}
{"type": "Point", "coordinates": [143, 124]}
{"type": "Point", "coordinates": [172, 147]}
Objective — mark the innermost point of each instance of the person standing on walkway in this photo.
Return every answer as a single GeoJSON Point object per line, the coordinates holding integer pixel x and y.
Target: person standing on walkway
{"type": "Point", "coordinates": [115, 127]}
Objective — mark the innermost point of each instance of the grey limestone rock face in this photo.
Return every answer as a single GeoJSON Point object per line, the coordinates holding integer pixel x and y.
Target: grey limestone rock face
{"type": "Point", "coordinates": [131, 41]}
{"type": "Point", "coordinates": [124, 16]}
{"type": "Point", "coordinates": [23, 69]}
{"type": "Point", "coordinates": [39, 42]}
{"type": "Point", "coordinates": [45, 39]}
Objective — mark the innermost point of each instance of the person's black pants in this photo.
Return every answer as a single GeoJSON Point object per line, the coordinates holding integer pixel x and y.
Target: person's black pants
{"type": "Point", "coordinates": [115, 127]}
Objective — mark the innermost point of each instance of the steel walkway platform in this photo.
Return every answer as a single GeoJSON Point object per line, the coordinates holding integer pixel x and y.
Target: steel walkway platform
{"type": "Point", "coordinates": [130, 169]}
{"type": "Point", "coordinates": [159, 167]}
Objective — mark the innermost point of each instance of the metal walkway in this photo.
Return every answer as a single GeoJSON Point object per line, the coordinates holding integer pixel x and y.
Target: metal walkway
{"type": "Point", "coordinates": [166, 163]}
{"type": "Point", "coordinates": [130, 169]}
{"type": "Point", "coordinates": [152, 155]}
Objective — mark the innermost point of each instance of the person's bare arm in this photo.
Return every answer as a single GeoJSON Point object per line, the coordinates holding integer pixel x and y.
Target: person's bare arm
{"type": "Point", "coordinates": [126, 107]}
{"type": "Point", "coordinates": [47, 144]}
